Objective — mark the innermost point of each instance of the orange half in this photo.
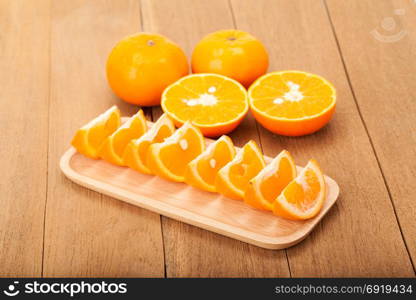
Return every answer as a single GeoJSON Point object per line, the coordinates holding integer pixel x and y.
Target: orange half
{"type": "Point", "coordinates": [89, 138]}
{"type": "Point", "coordinates": [214, 103]}
{"type": "Point", "coordinates": [303, 197]}
{"type": "Point", "coordinates": [201, 171]}
{"type": "Point", "coordinates": [292, 103]}
{"type": "Point", "coordinates": [169, 159]}
{"type": "Point", "coordinates": [113, 147]}
{"type": "Point", "coordinates": [233, 178]}
{"type": "Point", "coordinates": [135, 154]}
{"type": "Point", "coordinates": [263, 189]}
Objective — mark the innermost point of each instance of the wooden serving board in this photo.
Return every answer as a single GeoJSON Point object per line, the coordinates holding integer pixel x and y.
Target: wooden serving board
{"type": "Point", "coordinates": [179, 201]}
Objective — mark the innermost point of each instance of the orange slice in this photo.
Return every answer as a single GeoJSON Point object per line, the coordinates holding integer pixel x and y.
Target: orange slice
{"type": "Point", "coordinates": [202, 170]}
{"type": "Point", "coordinates": [263, 189]}
{"type": "Point", "coordinates": [233, 178]}
{"type": "Point", "coordinates": [214, 103]}
{"type": "Point", "coordinates": [170, 158]}
{"type": "Point", "coordinates": [304, 196]}
{"type": "Point", "coordinates": [136, 151]}
{"type": "Point", "coordinates": [292, 103]}
{"type": "Point", "coordinates": [113, 147]}
{"type": "Point", "coordinates": [88, 139]}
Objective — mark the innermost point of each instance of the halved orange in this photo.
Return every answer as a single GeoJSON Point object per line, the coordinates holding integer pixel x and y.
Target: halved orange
{"type": "Point", "coordinates": [113, 147]}
{"type": "Point", "coordinates": [214, 103]}
{"type": "Point", "coordinates": [135, 154]}
{"type": "Point", "coordinates": [292, 103]}
{"type": "Point", "coordinates": [89, 138]}
{"type": "Point", "coordinates": [201, 171]}
{"type": "Point", "coordinates": [303, 197]}
{"type": "Point", "coordinates": [233, 178]}
{"type": "Point", "coordinates": [169, 159]}
{"type": "Point", "coordinates": [263, 189]}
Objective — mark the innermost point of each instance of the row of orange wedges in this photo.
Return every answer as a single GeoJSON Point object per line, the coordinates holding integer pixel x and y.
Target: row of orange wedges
{"type": "Point", "coordinates": [183, 155]}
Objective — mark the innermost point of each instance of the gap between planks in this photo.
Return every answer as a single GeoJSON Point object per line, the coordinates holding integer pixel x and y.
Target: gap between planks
{"type": "Point", "coordinates": [344, 65]}
{"type": "Point", "coordinates": [230, 5]}
{"type": "Point", "coordinates": [47, 138]}
{"type": "Point", "coordinates": [148, 111]}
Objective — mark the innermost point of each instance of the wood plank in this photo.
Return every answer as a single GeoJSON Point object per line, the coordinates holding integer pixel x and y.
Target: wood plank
{"type": "Point", "coordinates": [360, 236]}
{"type": "Point", "coordinates": [190, 251]}
{"type": "Point", "coordinates": [382, 75]}
{"type": "Point", "coordinates": [88, 234]}
{"type": "Point", "coordinates": [24, 81]}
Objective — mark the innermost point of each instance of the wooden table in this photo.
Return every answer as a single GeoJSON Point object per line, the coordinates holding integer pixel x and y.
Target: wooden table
{"type": "Point", "coordinates": [52, 80]}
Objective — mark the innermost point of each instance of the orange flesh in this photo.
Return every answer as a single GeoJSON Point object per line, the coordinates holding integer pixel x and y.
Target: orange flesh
{"type": "Point", "coordinates": [272, 186]}
{"type": "Point", "coordinates": [142, 150]}
{"type": "Point", "coordinates": [161, 134]}
{"type": "Point", "coordinates": [97, 134]}
{"type": "Point", "coordinates": [122, 139]}
{"type": "Point", "coordinates": [221, 156]}
{"type": "Point", "coordinates": [175, 158]}
{"type": "Point", "coordinates": [231, 101]}
{"type": "Point", "coordinates": [295, 192]}
{"type": "Point", "coordinates": [317, 96]}
{"type": "Point", "coordinates": [250, 166]}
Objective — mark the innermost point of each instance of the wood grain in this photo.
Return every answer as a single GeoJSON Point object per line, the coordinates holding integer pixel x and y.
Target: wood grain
{"type": "Point", "coordinates": [382, 75]}
{"type": "Point", "coordinates": [88, 234]}
{"type": "Point", "coordinates": [355, 237]}
{"type": "Point", "coordinates": [23, 138]}
{"type": "Point", "coordinates": [190, 251]}
{"type": "Point", "coordinates": [52, 57]}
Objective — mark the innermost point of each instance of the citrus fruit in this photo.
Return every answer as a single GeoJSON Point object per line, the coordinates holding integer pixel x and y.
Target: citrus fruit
{"type": "Point", "coordinates": [135, 154]}
{"type": "Point", "coordinates": [169, 159]}
{"type": "Point", "coordinates": [113, 147]}
{"type": "Point", "coordinates": [141, 66]}
{"type": "Point", "coordinates": [292, 103]}
{"type": "Point", "coordinates": [233, 53]}
{"type": "Point", "coordinates": [233, 178]}
{"type": "Point", "coordinates": [214, 103]}
{"type": "Point", "coordinates": [88, 139]}
{"type": "Point", "coordinates": [263, 189]}
{"type": "Point", "coordinates": [201, 171]}
{"type": "Point", "coordinates": [304, 196]}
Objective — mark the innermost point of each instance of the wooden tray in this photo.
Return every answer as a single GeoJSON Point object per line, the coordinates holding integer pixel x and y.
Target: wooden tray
{"type": "Point", "coordinates": [179, 201]}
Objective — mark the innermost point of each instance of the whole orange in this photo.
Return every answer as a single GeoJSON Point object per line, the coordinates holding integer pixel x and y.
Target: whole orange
{"type": "Point", "coordinates": [233, 53]}
{"type": "Point", "coordinates": [141, 66]}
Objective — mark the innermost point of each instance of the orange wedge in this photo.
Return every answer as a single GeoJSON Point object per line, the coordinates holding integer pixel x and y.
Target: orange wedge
{"type": "Point", "coordinates": [136, 151]}
{"type": "Point", "coordinates": [303, 197]}
{"type": "Point", "coordinates": [233, 178]}
{"type": "Point", "coordinates": [214, 103]}
{"type": "Point", "coordinates": [202, 170]}
{"type": "Point", "coordinates": [170, 158]}
{"type": "Point", "coordinates": [89, 138]}
{"type": "Point", "coordinates": [292, 103]}
{"type": "Point", "coordinates": [263, 189]}
{"type": "Point", "coordinates": [113, 147]}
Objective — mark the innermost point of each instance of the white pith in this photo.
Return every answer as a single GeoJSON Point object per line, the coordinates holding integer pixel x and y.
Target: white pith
{"type": "Point", "coordinates": [293, 95]}
{"type": "Point", "coordinates": [183, 144]}
{"type": "Point", "coordinates": [204, 99]}
{"type": "Point", "coordinates": [212, 89]}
